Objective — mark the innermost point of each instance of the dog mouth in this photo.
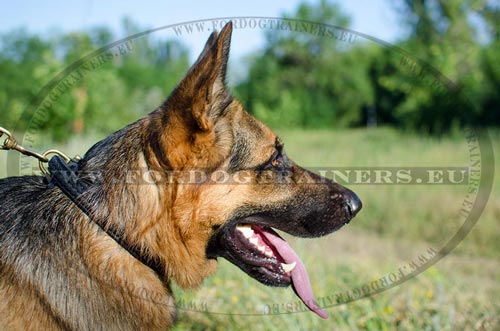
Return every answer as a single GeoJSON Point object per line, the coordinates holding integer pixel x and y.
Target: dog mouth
{"type": "Point", "coordinates": [265, 256]}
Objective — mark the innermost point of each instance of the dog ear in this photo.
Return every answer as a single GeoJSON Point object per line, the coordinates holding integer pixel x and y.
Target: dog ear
{"type": "Point", "coordinates": [202, 93]}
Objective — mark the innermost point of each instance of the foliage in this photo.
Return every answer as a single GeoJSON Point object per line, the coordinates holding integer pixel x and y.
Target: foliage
{"type": "Point", "coordinates": [443, 34]}
{"type": "Point", "coordinates": [121, 91]}
{"type": "Point", "coordinates": [306, 80]}
{"type": "Point", "coordinates": [301, 78]}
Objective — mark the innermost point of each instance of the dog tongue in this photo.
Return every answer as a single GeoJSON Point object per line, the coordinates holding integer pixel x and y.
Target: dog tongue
{"type": "Point", "coordinates": [300, 278]}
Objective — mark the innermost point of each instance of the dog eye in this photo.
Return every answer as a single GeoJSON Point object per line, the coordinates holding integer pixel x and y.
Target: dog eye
{"type": "Point", "coordinates": [277, 162]}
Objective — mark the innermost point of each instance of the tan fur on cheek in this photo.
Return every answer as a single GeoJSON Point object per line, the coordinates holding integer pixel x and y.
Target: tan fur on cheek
{"type": "Point", "coordinates": [182, 240]}
{"type": "Point", "coordinates": [219, 201]}
{"type": "Point", "coordinates": [197, 209]}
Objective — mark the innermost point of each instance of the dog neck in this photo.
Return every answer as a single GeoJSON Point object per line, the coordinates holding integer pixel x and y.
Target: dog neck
{"type": "Point", "coordinates": [65, 176]}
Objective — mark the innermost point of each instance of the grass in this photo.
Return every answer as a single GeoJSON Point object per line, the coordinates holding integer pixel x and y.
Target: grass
{"type": "Point", "coordinates": [397, 224]}
{"type": "Point", "coordinates": [443, 298]}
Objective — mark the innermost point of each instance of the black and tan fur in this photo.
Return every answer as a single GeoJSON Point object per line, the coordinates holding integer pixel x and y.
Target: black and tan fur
{"type": "Point", "coordinates": [60, 271]}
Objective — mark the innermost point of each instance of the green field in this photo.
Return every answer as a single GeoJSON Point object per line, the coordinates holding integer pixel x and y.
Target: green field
{"type": "Point", "coordinates": [397, 224]}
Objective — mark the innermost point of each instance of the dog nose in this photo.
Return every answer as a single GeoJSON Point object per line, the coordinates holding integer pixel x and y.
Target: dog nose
{"type": "Point", "coordinates": [353, 203]}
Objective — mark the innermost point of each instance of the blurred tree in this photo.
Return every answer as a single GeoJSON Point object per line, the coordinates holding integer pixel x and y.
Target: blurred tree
{"type": "Point", "coordinates": [105, 98]}
{"type": "Point", "coordinates": [443, 35]}
{"type": "Point", "coordinates": [305, 76]}
{"type": "Point", "coordinates": [490, 87]}
{"type": "Point", "coordinates": [305, 79]}
{"type": "Point", "coordinates": [308, 74]}
{"type": "Point", "coordinates": [25, 62]}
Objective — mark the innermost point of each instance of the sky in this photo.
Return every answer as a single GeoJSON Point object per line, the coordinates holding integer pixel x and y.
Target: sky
{"type": "Point", "coordinates": [376, 18]}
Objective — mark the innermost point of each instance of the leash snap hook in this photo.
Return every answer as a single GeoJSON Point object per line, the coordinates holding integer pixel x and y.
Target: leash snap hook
{"type": "Point", "coordinates": [66, 159]}
{"type": "Point", "coordinates": [9, 142]}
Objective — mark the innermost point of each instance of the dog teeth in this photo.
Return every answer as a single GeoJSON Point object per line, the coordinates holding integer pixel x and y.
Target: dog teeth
{"type": "Point", "coordinates": [288, 267]}
{"type": "Point", "coordinates": [249, 234]}
{"type": "Point", "coordinates": [254, 241]}
{"type": "Point", "coordinates": [246, 230]}
{"type": "Point", "coordinates": [268, 253]}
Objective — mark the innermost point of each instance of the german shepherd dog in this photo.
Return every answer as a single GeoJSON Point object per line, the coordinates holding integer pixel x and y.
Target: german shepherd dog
{"type": "Point", "coordinates": [59, 270]}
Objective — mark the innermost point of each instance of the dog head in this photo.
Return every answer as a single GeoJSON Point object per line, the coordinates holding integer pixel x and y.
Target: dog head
{"type": "Point", "coordinates": [231, 183]}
